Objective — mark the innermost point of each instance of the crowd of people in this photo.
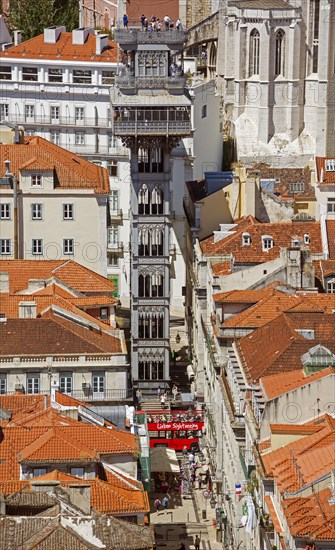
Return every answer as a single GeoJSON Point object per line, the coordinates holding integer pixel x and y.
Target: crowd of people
{"type": "Point", "coordinates": [171, 416]}
{"type": "Point", "coordinates": [154, 23]}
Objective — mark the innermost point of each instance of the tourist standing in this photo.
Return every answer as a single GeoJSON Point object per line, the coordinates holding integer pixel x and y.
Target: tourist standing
{"type": "Point", "coordinates": [142, 19]}
{"type": "Point", "coordinates": [157, 504]}
{"type": "Point", "coordinates": [162, 398]}
{"type": "Point", "coordinates": [197, 543]}
{"type": "Point", "coordinates": [174, 391]}
{"type": "Point", "coordinates": [165, 503]}
{"type": "Point", "coordinates": [167, 22]}
{"type": "Point", "coordinates": [125, 21]}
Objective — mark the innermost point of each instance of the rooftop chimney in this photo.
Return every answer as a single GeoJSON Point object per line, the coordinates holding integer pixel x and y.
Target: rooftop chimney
{"type": "Point", "coordinates": [4, 281]}
{"type": "Point", "coordinates": [101, 42]}
{"type": "Point", "coordinates": [51, 34]}
{"type": "Point", "coordinates": [17, 37]}
{"type": "Point", "coordinates": [35, 284]}
{"type": "Point", "coordinates": [80, 497]}
{"type": "Point", "coordinates": [79, 36]}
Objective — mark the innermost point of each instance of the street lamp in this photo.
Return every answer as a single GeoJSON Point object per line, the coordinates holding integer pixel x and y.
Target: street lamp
{"type": "Point", "coordinates": [178, 338]}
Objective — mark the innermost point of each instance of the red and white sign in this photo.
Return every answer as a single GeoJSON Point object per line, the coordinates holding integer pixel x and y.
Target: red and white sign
{"type": "Point", "coordinates": [174, 426]}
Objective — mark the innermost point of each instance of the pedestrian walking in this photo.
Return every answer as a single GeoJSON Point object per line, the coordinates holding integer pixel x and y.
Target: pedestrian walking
{"type": "Point", "coordinates": [163, 398]}
{"type": "Point", "coordinates": [142, 19]}
{"type": "Point", "coordinates": [157, 504]}
{"type": "Point", "coordinates": [165, 503]}
{"type": "Point", "coordinates": [199, 481]}
{"type": "Point", "coordinates": [191, 458]}
{"type": "Point", "coordinates": [174, 391]}
{"type": "Point", "coordinates": [125, 21]}
{"type": "Point", "coordinates": [178, 25]}
{"type": "Point", "coordinates": [197, 543]}
{"type": "Point", "coordinates": [184, 451]}
{"type": "Point", "coordinates": [138, 396]}
{"type": "Point", "coordinates": [159, 391]}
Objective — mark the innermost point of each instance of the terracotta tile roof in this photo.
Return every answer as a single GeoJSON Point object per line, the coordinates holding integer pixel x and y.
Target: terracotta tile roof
{"type": "Point", "coordinates": [273, 514]}
{"type": "Point", "coordinates": [115, 496]}
{"type": "Point", "coordinates": [63, 50]}
{"type": "Point", "coordinates": [78, 442]}
{"type": "Point", "coordinates": [303, 461]}
{"type": "Point", "coordinates": [282, 234]}
{"type": "Point", "coordinates": [18, 403]}
{"type": "Point", "coordinates": [330, 224]}
{"type": "Point", "coordinates": [264, 445]}
{"type": "Point", "coordinates": [221, 268]}
{"type": "Point", "coordinates": [48, 417]}
{"type": "Point", "coordinates": [324, 176]}
{"type": "Point", "coordinates": [53, 335]}
{"type": "Point", "coordinates": [91, 301]}
{"type": "Point", "coordinates": [9, 306]}
{"type": "Point", "coordinates": [279, 384]}
{"type": "Point", "coordinates": [72, 274]}
{"type": "Point", "coordinates": [70, 171]}
{"type": "Point", "coordinates": [311, 517]}
{"type": "Point", "coordinates": [326, 267]}
{"type": "Point", "coordinates": [284, 177]}
{"type": "Point", "coordinates": [245, 296]}
{"type": "Point", "coordinates": [284, 345]}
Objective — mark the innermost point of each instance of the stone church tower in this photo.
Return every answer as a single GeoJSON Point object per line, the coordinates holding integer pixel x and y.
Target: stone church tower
{"type": "Point", "coordinates": [276, 63]}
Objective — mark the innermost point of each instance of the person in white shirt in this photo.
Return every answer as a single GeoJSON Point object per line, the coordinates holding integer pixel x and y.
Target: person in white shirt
{"type": "Point", "coordinates": [167, 22]}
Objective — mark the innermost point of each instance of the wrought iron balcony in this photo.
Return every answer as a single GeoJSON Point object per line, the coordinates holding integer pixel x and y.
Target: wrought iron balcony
{"type": "Point", "coordinates": [176, 128]}
{"type": "Point", "coordinates": [134, 35]}
{"type": "Point", "coordinates": [147, 82]}
{"type": "Point", "coordinates": [115, 246]}
{"type": "Point", "coordinates": [88, 394]}
{"type": "Point", "coordinates": [61, 120]}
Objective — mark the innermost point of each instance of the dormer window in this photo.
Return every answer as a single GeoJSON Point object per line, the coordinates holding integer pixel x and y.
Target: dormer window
{"type": "Point", "coordinates": [267, 242]}
{"type": "Point", "coordinates": [330, 165]}
{"type": "Point", "coordinates": [246, 239]}
{"type": "Point", "coordinates": [36, 180]}
{"type": "Point", "coordinates": [307, 240]}
{"type": "Point", "coordinates": [295, 243]}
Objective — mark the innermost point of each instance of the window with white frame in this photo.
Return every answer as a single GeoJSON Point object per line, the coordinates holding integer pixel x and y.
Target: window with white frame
{"type": "Point", "coordinates": [82, 76]}
{"type": "Point", "coordinates": [104, 313]}
{"type": "Point", "coordinates": [246, 239]}
{"type": "Point", "coordinates": [3, 383]}
{"type": "Point", "coordinates": [54, 113]}
{"type": "Point", "coordinates": [55, 137]}
{"type": "Point", "coordinates": [98, 382]}
{"type": "Point", "coordinates": [113, 201]}
{"type": "Point", "coordinates": [29, 111]}
{"type": "Point", "coordinates": [4, 111]}
{"type": "Point", "coordinates": [330, 165]}
{"type": "Point", "coordinates": [254, 52]}
{"type": "Point", "coordinates": [65, 382]}
{"type": "Point", "coordinates": [79, 138]}
{"type": "Point", "coordinates": [79, 114]}
{"type": "Point", "coordinates": [331, 205]}
{"type": "Point", "coordinates": [5, 247]}
{"type": "Point", "coordinates": [5, 211]}
{"type": "Point", "coordinates": [5, 72]}
{"type": "Point", "coordinates": [280, 53]}
{"type": "Point", "coordinates": [297, 187]}
{"type": "Point", "coordinates": [113, 235]}
{"type": "Point", "coordinates": [36, 211]}
{"type": "Point", "coordinates": [113, 260]}
{"type": "Point", "coordinates": [36, 180]}
{"type": "Point", "coordinates": [330, 288]}
{"type": "Point", "coordinates": [33, 383]}
{"type": "Point", "coordinates": [267, 242]}
{"type": "Point", "coordinates": [112, 168]}
{"type": "Point", "coordinates": [37, 247]}
{"type": "Point", "coordinates": [55, 75]}
{"type": "Point", "coordinates": [68, 212]}
{"type": "Point", "coordinates": [68, 247]}
{"type": "Point", "coordinates": [29, 74]}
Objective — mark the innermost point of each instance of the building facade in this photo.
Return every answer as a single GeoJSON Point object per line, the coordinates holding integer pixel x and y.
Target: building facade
{"type": "Point", "coordinates": [276, 77]}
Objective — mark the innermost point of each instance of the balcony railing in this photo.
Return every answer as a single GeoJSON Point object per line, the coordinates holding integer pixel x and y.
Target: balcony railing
{"type": "Point", "coordinates": [134, 35]}
{"type": "Point", "coordinates": [115, 246]}
{"type": "Point", "coordinates": [94, 122]}
{"type": "Point", "coordinates": [148, 82]}
{"type": "Point", "coordinates": [180, 128]}
{"type": "Point", "coordinates": [106, 395]}
{"type": "Point", "coordinates": [115, 214]}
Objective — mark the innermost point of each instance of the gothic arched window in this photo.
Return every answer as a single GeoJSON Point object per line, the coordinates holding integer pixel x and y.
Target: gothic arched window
{"type": "Point", "coordinates": [279, 52]}
{"type": "Point", "coordinates": [254, 52]}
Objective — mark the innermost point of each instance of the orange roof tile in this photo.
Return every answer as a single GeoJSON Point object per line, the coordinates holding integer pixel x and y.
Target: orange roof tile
{"type": "Point", "coordinates": [278, 384]}
{"type": "Point", "coordinates": [282, 234]}
{"type": "Point", "coordinates": [311, 517]}
{"type": "Point", "coordinates": [303, 461]}
{"type": "Point", "coordinates": [323, 176]}
{"type": "Point", "coordinates": [246, 296]}
{"type": "Point", "coordinates": [47, 417]}
{"type": "Point", "coordinates": [91, 301]}
{"type": "Point", "coordinates": [222, 268]}
{"type": "Point", "coordinates": [75, 276]}
{"type": "Point", "coordinates": [70, 170]}
{"type": "Point", "coordinates": [63, 50]}
{"type": "Point", "coordinates": [284, 344]}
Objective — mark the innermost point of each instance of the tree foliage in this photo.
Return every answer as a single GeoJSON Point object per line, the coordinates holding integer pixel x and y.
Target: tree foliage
{"type": "Point", "coordinates": [32, 16]}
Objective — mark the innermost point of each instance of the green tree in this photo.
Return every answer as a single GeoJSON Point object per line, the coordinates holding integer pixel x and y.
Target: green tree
{"type": "Point", "coordinates": [32, 16]}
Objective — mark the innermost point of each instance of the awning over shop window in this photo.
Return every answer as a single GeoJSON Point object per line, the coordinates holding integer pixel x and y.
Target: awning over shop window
{"type": "Point", "coordinates": [164, 460]}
